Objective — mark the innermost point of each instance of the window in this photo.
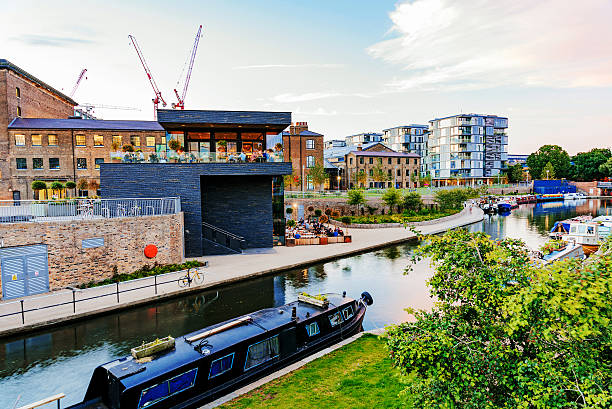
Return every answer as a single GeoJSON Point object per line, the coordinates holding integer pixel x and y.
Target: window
{"type": "Point", "coordinates": [36, 140]}
{"type": "Point", "coordinates": [52, 140]}
{"type": "Point", "coordinates": [81, 163]}
{"type": "Point", "coordinates": [37, 163]}
{"type": "Point", "coordinates": [310, 144]}
{"type": "Point", "coordinates": [399, 172]}
{"type": "Point", "coordinates": [407, 172]}
{"type": "Point", "coordinates": [17, 92]}
{"type": "Point", "coordinates": [117, 140]}
{"type": "Point", "coordinates": [407, 161]}
{"type": "Point", "coordinates": [161, 391]}
{"type": "Point", "coordinates": [150, 141]}
{"type": "Point", "coordinates": [347, 313]}
{"type": "Point", "coordinates": [135, 140]}
{"type": "Point", "coordinates": [262, 352]}
{"type": "Point", "coordinates": [19, 111]}
{"type": "Point", "coordinates": [21, 163]}
{"type": "Point", "coordinates": [398, 161]}
{"type": "Point", "coordinates": [309, 183]}
{"type": "Point", "coordinates": [19, 140]}
{"type": "Point", "coordinates": [416, 161]}
{"type": "Point", "coordinates": [98, 140]}
{"type": "Point", "coordinates": [389, 161]}
{"type": "Point", "coordinates": [312, 329]}
{"type": "Point", "coordinates": [54, 163]}
{"type": "Point", "coordinates": [221, 365]}
{"type": "Point", "coordinates": [80, 140]}
{"type": "Point", "coordinates": [98, 161]}
{"type": "Point", "coordinates": [351, 161]}
{"type": "Point", "coordinates": [335, 319]}
{"type": "Point", "coordinates": [371, 161]}
{"type": "Point", "coordinates": [371, 172]}
{"type": "Point", "coordinates": [361, 160]}
{"type": "Point", "coordinates": [310, 161]}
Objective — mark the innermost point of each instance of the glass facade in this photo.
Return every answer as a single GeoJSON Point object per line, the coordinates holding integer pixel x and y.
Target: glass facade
{"type": "Point", "coordinates": [407, 139]}
{"type": "Point", "coordinates": [278, 210]}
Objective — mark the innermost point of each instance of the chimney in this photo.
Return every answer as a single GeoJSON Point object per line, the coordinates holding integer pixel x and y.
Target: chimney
{"type": "Point", "coordinates": [297, 128]}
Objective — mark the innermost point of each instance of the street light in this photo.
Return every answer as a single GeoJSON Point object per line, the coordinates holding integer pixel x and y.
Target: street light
{"type": "Point", "coordinates": [338, 183]}
{"type": "Point", "coordinates": [547, 172]}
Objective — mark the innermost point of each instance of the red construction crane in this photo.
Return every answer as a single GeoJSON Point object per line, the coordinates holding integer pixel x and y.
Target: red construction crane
{"type": "Point", "coordinates": [81, 75]}
{"type": "Point", "coordinates": [181, 98]}
{"type": "Point", "coordinates": [158, 95]}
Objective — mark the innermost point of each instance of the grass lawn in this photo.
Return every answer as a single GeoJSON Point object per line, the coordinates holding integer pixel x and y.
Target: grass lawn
{"type": "Point", "coordinates": [358, 375]}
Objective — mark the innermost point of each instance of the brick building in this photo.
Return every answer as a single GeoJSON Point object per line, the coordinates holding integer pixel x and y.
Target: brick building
{"type": "Point", "coordinates": [381, 167]}
{"type": "Point", "coordinates": [304, 149]}
{"type": "Point", "coordinates": [71, 150]}
{"type": "Point", "coordinates": [24, 96]}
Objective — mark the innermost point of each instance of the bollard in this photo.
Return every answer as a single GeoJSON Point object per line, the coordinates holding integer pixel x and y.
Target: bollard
{"type": "Point", "coordinates": [117, 293]}
{"type": "Point", "coordinates": [155, 284]}
{"type": "Point", "coordinates": [73, 304]}
{"type": "Point", "coordinates": [22, 313]}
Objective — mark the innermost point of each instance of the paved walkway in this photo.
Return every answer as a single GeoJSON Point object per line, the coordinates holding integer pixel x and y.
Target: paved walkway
{"type": "Point", "coordinates": [221, 270]}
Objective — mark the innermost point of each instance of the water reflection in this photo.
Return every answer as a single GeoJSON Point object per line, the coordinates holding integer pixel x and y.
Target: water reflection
{"type": "Point", "coordinates": [61, 359]}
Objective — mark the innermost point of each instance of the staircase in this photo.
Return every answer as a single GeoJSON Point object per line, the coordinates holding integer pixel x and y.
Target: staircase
{"type": "Point", "coordinates": [218, 241]}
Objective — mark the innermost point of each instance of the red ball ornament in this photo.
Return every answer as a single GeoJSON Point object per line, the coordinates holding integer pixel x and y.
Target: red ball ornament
{"type": "Point", "coordinates": [150, 251]}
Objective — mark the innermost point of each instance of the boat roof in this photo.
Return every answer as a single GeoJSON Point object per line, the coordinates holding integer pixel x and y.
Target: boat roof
{"type": "Point", "coordinates": [132, 373]}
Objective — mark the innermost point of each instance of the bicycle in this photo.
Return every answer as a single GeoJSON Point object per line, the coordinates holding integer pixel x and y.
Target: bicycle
{"type": "Point", "coordinates": [196, 278]}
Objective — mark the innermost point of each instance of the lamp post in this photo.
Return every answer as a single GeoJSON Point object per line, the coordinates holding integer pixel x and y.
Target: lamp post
{"type": "Point", "coordinates": [338, 184]}
{"type": "Point", "coordinates": [547, 173]}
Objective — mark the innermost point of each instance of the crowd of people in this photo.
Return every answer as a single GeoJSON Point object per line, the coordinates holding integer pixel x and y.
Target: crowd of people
{"type": "Point", "coordinates": [308, 228]}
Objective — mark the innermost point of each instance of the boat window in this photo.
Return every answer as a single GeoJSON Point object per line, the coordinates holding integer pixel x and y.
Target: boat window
{"type": "Point", "coordinates": [261, 352]}
{"type": "Point", "coordinates": [347, 312]}
{"type": "Point", "coordinates": [590, 230]}
{"type": "Point", "coordinates": [573, 229]}
{"type": "Point", "coordinates": [161, 391]}
{"type": "Point", "coordinates": [581, 229]}
{"type": "Point", "coordinates": [312, 329]}
{"type": "Point", "coordinates": [335, 319]}
{"type": "Point", "coordinates": [221, 365]}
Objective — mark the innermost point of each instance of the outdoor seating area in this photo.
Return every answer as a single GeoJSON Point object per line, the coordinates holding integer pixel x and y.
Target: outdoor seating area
{"type": "Point", "coordinates": [312, 232]}
{"type": "Point", "coordinates": [198, 157]}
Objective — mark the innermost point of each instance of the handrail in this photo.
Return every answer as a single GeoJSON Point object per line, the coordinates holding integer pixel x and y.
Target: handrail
{"type": "Point", "coordinates": [225, 232]}
{"type": "Point", "coordinates": [45, 401]}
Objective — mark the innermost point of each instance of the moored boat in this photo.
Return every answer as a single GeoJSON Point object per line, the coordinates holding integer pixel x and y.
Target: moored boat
{"type": "Point", "coordinates": [589, 234]}
{"type": "Point", "coordinates": [549, 197]}
{"type": "Point", "coordinates": [203, 365]}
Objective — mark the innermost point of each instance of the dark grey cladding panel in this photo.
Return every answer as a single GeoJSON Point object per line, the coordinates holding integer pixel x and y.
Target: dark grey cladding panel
{"type": "Point", "coordinates": [223, 117]}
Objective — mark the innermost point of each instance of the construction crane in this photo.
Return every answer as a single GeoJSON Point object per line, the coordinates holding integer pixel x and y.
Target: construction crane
{"type": "Point", "coordinates": [158, 96]}
{"type": "Point", "coordinates": [81, 75]}
{"type": "Point", "coordinates": [181, 98]}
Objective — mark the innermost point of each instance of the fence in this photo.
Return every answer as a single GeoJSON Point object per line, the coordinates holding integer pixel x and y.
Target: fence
{"type": "Point", "coordinates": [196, 157]}
{"type": "Point", "coordinates": [14, 314]}
{"type": "Point", "coordinates": [71, 209]}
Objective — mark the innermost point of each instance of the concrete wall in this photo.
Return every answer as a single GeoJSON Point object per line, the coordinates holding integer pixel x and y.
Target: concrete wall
{"type": "Point", "coordinates": [183, 180]}
{"type": "Point", "coordinates": [124, 242]}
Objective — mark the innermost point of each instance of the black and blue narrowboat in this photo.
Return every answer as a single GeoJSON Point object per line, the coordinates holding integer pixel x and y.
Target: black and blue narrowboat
{"type": "Point", "coordinates": [206, 364]}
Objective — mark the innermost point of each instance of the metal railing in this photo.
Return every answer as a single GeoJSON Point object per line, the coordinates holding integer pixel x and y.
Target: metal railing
{"type": "Point", "coordinates": [196, 157]}
{"type": "Point", "coordinates": [223, 237]}
{"type": "Point", "coordinates": [15, 211]}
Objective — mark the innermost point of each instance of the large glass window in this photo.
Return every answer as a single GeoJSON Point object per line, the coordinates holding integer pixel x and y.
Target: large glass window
{"type": "Point", "coordinates": [312, 329]}
{"type": "Point", "coordinates": [80, 140]}
{"type": "Point", "coordinates": [19, 140]}
{"type": "Point", "coordinates": [161, 391]}
{"type": "Point", "coordinates": [21, 163]}
{"type": "Point", "coordinates": [262, 352]}
{"type": "Point", "coordinates": [98, 140]}
{"type": "Point", "coordinates": [98, 161]}
{"type": "Point", "coordinates": [81, 163]}
{"type": "Point", "coordinates": [37, 163]}
{"type": "Point", "coordinates": [135, 140]}
{"type": "Point", "coordinates": [150, 141]}
{"type": "Point", "coordinates": [117, 140]}
{"type": "Point", "coordinates": [36, 140]}
{"type": "Point", "coordinates": [310, 144]}
{"type": "Point", "coordinates": [221, 365]}
{"type": "Point", "coordinates": [310, 161]}
{"type": "Point", "coordinates": [52, 140]}
{"type": "Point", "coordinates": [54, 163]}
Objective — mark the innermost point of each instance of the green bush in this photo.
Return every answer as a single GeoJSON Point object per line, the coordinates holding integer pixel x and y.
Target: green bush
{"type": "Point", "coordinates": [412, 201]}
{"type": "Point", "coordinates": [346, 219]}
{"type": "Point", "coordinates": [289, 210]}
{"type": "Point", "coordinates": [318, 212]}
{"type": "Point", "coordinates": [70, 185]}
{"type": "Point", "coordinates": [38, 185]}
{"type": "Point", "coordinates": [57, 185]}
{"type": "Point", "coordinates": [450, 199]}
{"type": "Point", "coordinates": [291, 223]}
{"type": "Point", "coordinates": [391, 197]}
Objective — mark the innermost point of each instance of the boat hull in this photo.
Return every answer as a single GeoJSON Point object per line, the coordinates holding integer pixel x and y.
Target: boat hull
{"type": "Point", "coordinates": [589, 248]}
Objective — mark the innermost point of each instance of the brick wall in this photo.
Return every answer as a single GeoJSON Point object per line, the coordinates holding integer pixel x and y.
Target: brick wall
{"type": "Point", "coordinates": [353, 162]}
{"type": "Point", "coordinates": [22, 179]}
{"type": "Point", "coordinates": [295, 151]}
{"type": "Point", "coordinates": [35, 102]}
{"type": "Point", "coordinates": [124, 242]}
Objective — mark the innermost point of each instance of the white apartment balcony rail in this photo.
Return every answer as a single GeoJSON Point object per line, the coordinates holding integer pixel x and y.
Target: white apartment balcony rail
{"type": "Point", "coordinates": [18, 211]}
{"type": "Point", "coordinates": [196, 157]}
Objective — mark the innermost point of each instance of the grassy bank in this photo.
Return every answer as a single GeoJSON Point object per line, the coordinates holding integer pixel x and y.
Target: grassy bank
{"type": "Point", "coordinates": [400, 218]}
{"type": "Point", "coordinates": [358, 375]}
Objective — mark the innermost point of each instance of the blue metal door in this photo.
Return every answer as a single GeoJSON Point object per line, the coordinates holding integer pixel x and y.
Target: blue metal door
{"type": "Point", "coordinates": [25, 271]}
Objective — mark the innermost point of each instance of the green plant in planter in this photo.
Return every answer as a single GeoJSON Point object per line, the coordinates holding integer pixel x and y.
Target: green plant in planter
{"type": "Point", "coordinates": [291, 223]}
{"type": "Point", "coordinates": [70, 184]}
{"type": "Point", "coordinates": [128, 148]}
{"type": "Point", "coordinates": [551, 246]}
{"type": "Point", "coordinates": [318, 212]}
{"type": "Point", "coordinates": [38, 185]}
{"type": "Point", "coordinates": [289, 210]}
{"type": "Point", "coordinates": [57, 185]}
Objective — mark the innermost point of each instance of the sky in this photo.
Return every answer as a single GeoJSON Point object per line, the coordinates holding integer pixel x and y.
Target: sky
{"type": "Point", "coordinates": [345, 67]}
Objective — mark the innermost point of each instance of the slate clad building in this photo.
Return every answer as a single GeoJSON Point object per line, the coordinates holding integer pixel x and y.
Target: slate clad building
{"type": "Point", "coordinates": [230, 185]}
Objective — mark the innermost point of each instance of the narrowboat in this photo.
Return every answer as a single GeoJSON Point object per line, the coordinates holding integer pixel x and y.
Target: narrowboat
{"type": "Point", "coordinates": [549, 197]}
{"type": "Point", "coordinates": [504, 207]}
{"type": "Point", "coordinates": [526, 199]}
{"type": "Point", "coordinates": [206, 364]}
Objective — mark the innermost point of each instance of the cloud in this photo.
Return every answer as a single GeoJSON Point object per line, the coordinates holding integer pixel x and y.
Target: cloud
{"type": "Point", "coordinates": [311, 96]}
{"type": "Point", "coordinates": [50, 41]}
{"type": "Point", "coordinates": [318, 111]}
{"type": "Point", "coordinates": [267, 66]}
{"type": "Point", "coordinates": [450, 45]}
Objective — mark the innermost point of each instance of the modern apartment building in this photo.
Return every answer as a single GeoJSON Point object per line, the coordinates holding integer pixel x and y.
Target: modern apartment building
{"type": "Point", "coordinates": [334, 143]}
{"type": "Point", "coordinates": [466, 149]}
{"type": "Point", "coordinates": [362, 138]}
{"type": "Point", "coordinates": [408, 138]}
{"type": "Point", "coordinates": [304, 149]}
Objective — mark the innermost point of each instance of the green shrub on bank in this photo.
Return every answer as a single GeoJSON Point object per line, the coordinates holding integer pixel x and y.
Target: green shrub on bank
{"type": "Point", "coordinates": [142, 272]}
{"type": "Point", "coordinates": [406, 217]}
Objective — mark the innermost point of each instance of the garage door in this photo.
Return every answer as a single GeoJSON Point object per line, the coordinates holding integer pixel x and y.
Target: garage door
{"type": "Point", "coordinates": [25, 271]}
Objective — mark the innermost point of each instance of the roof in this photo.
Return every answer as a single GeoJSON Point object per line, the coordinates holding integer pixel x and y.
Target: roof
{"type": "Point", "coordinates": [344, 150]}
{"type": "Point", "coordinates": [479, 115]}
{"type": "Point", "coordinates": [89, 124]}
{"type": "Point", "coordinates": [386, 154]}
{"type": "Point", "coordinates": [207, 117]}
{"type": "Point", "coordinates": [407, 126]}
{"type": "Point", "coordinates": [328, 165]}
{"type": "Point", "coordinates": [5, 64]}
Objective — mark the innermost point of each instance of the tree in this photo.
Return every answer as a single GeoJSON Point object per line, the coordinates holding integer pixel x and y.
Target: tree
{"type": "Point", "coordinates": [554, 154]}
{"type": "Point", "coordinates": [362, 177]}
{"type": "Point", "coordinates": [412, 201]}
{"type": "Point", "coordinates": [506, 333]}
{"type": "Point", "coordinates": [356, 198]}
{"type": "Point", "coordinates": [414, 178]}
{"type": "Point", "coordinates": [391, 197]}
{"type": "Point", "coordinates": [82, 184]}
{"type": "Point", "coordinates": [548, 171]}
{"type": "Point", "coordinates": [378, 173]}
{"type": "Point", "coordinates": [37, 186]}
{"type": "Point", "coordinates": [317, 174]}
{"type": "Point", "coordinates": [515, 173]}
{"type": "Point", "coordinates": [606, 168]}
{"type": "Point", "coordinates": [426, 180]}
{"type": "Point", "coordinates": [586, 164]}
{"type": "Point", "coordinates": [450, 199]}
{"type": "Point", "coordinates": [292, 180]}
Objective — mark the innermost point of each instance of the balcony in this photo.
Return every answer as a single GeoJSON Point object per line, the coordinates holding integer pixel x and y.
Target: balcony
{"type": "Point", "coordinates": [196, 157]}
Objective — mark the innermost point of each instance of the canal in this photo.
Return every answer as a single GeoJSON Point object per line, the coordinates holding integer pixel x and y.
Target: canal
{"type": "Point", "coordinates": [61, 359]}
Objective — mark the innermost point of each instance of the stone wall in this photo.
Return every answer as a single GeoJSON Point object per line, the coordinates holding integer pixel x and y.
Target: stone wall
{"type": "Point", "coordinates": [340, 205]}
{"type": "Point", "coordinates": [124, 242]}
